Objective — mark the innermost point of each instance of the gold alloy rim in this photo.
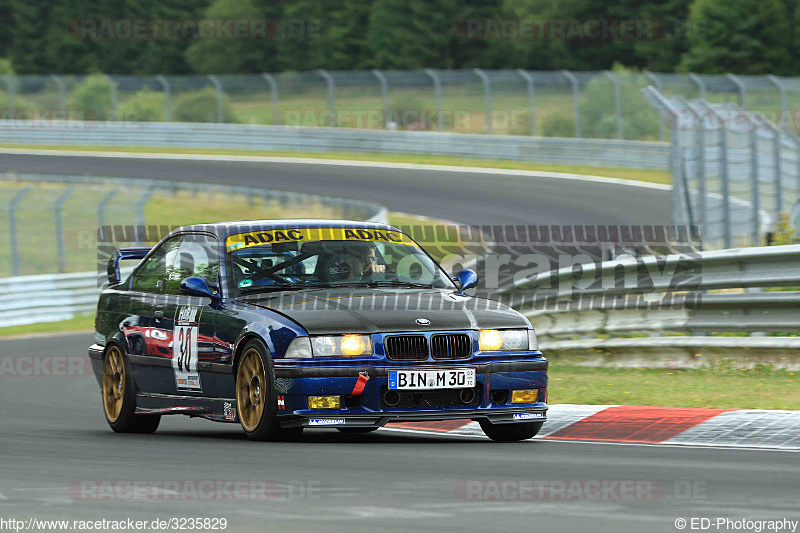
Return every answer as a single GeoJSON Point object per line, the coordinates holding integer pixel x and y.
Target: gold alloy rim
{"type": "Point", "coordinates": [251, 389]}
{"type": "Point", "coordinates": [113, 383]}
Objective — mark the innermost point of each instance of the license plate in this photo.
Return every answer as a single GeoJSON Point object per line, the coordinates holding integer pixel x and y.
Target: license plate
{"type": "Point", "coordinates": [432, 379]}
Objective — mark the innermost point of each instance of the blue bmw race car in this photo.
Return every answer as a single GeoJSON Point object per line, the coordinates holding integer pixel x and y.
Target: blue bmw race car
{"type": "Point", "coordinates": [281, 325]}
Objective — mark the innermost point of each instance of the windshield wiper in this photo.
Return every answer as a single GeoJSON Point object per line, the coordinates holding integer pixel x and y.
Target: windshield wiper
{"type": "Point", "coordinates": [286, 287]}
{"type": "Point", "coordinates": [390, 283]}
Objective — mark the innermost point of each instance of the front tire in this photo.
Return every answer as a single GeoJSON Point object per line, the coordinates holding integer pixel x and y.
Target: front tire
{"type": "Point", "coordinates": [510, 432]}
{"type": "Point", "coordinates": [119, 397]}
{"type": "Point", "coordinates": [256, 399]}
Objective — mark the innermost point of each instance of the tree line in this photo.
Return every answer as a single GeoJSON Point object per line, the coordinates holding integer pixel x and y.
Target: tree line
{"type": "Point", "coordinates": [247, 36]}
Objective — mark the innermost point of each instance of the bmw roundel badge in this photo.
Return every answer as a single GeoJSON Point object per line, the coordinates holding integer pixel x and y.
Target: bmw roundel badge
{"type": "Point", "coordinates": [423, 321]}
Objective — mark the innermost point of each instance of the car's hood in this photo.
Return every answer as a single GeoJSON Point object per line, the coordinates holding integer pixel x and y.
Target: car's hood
{"type": "Point", "coordinates": [370, 310]}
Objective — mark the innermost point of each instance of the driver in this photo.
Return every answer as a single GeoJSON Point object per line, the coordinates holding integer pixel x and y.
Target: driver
{"type": "Point", "coordinates": [354, 263]}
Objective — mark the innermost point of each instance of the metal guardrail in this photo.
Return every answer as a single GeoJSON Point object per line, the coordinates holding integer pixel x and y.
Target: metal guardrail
{"type": "Point", "coordinates": [589, 152]}
{"type": "Point", "coordinates": [631, 296]}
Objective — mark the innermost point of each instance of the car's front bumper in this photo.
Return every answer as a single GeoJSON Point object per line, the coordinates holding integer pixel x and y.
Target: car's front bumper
{"type": "Point", "coordinates": [296, 383]}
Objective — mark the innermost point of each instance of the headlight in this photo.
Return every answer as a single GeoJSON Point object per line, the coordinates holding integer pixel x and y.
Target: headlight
{"type": "Point", "coordinates": [299, 348]}
{"type": "Point", "coordinates": [342, 346]}
{"type": "Point", "coordinates": [503, 340]}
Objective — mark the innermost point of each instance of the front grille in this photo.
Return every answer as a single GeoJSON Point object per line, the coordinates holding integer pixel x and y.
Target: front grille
{"type": "Point", "coordinates": [412, 399]}
{"type": "Point", "coordinates": [406, 347]}
{"type": "Point", "coordinates": [451, 346]}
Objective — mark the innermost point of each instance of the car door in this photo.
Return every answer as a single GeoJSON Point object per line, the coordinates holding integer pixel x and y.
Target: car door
{"type": "Point", "coordinates": [189, 320]}
{"type": "Point", "coordinates": [144, 327]}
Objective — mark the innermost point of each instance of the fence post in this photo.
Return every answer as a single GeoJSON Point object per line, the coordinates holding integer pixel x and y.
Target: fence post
{"type": "Point", "coordinates": [531, 94]}
{"type": "Point", "coordinates": [101, 208]}
{"type": "Point", "coordinates": [575, 101]}
{"type": "Point", "coordinates": [60, 228]}
{"type": "Point", "coordinates": [487, 98]}
{"type": "Point", "coordinates": [12, 104]}
{"type": "Point", "coordinates": [777, 150]}
{"type": "Point", "coordinates": [723, 166]}
{"type": "Point", "coordinates": [384, 94]}
{"type": "Point", "coordinates": [701, 85]}
{"type": "Point", "coordinates": [12, 227]}
{"type": "Point", "coordinates": [62, 106]}
{"type": "Point", "coordinates": [437, 89]}
{"type": "Point", "coordinates": [167, 97]}
{"type": "Point", "coordinates": [140, 205]}
{"type": "Point", "coordinates": [754, 179]}
{"type": "Point", "coordinates": [782, 89]}
{"type": "Point", "coordinates": [220, 108]}
{"type": "Point", "coordinates": [113, 94]}
{"type": "Point", "coordinates": [331, 95]}
{"type": "Point", "coordinates": [657, 82]}
{"type": "Point", "coordinates": [617, 101]}
{"type": "Point", "coordinates": [700, 149]}
{"type": "Point", "coordinates": [742, 90]}
{"type": "Point", "coordinates": [273, 93]}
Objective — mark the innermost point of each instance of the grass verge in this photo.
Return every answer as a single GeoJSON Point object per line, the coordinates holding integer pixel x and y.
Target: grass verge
{"type": "Point", "coordinates": [715, 387]}
{"type": "Point", "coordinates": [78, 323]}
{"type": "Point", "coordinates": [649, 176]}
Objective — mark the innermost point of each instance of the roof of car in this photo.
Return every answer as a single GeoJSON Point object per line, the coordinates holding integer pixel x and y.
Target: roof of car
{"type": "Point", "coordinates": [223, 229]}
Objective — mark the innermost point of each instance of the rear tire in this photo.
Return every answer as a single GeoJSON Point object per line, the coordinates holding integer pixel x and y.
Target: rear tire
{"type": "Point", "coordinates": [357, 431]}
{"type": "Point", "coordinates": [119, 396]}
{"type": "Point", "coordinates": [256, 399]}
{"type": "Point", "coordinates": [510, 432]}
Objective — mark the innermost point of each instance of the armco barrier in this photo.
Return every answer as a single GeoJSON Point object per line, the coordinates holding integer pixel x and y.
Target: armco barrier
{"type": "Point", "coordinates": [582, 323]}
{"type": "Point", "coordinates": [566, 151]}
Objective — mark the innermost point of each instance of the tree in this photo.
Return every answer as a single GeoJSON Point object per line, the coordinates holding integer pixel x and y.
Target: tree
{"type": "Point", "coordinates": [740, 37]}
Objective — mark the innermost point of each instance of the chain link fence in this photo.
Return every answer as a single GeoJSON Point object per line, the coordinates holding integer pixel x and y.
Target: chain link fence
{"type": "Point", "coordinates": [735, 173]}
{"type": "Point", "coordinates": [600, 104]}
{"type": "Point", "coordinates": [53, 220]}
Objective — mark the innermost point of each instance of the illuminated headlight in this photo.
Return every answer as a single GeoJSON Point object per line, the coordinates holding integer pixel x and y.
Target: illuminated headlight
{"type": "Point", "coordinates": [503, 340]}
{"type": "Point", "coordinates": [346, 345]}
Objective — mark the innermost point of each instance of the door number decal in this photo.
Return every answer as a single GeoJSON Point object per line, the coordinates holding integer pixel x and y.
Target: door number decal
{"type": "Point", "coordinates": [184, 348]}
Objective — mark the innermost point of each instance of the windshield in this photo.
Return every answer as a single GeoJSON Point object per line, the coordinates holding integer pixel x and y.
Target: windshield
{"type": "Point", "coordinates": [291, 259]}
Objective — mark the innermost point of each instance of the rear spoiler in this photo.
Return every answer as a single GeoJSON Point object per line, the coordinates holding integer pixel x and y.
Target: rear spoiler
{"type": "Point", "coordinates": [114, 276]}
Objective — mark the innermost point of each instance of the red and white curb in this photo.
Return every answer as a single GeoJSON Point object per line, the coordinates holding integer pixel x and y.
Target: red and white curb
{"type": "Point", "coordinates": [691, 426]}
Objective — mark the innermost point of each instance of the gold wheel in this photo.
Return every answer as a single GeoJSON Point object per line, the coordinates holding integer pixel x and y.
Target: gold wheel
{"type": "Point", "coordinates": [251, 389]}
{"type": "Point", "coordinates": [113, 383]}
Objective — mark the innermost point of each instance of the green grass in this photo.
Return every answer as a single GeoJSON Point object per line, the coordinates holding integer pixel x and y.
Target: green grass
{"type": "Point", "coordinates": [78, 323]}
{"type": "Point", "coordinates": [650, 176]}
{"type": "Point", "coordinates": [720, 387]}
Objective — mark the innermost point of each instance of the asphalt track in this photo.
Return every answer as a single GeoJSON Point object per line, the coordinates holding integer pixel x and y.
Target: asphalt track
{"type": "Point", "coordinates": [53, 436]}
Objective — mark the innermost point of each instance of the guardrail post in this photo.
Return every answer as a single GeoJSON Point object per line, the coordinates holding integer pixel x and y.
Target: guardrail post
{"type": "Point", "coordinates": [12, 104]}
{"type": "Point", "coordinates": [437, 89]}
{"type": "Point", "coordinates": [531, 98]}
{"type": "Point", "coordinates": [331, 95]}
{"type": "Point", "coordinates": [220, 107]}
{"type": "Point", "coordinates": [62, 106]}
{"type": "Point", "coordinates": [576, 105]}
{"type": "Point", "coordinates": [657, 82]}
{"type": "Point", "coordinates": [167, 97]}
{"type": "Point", "coordinates": [273, 94]}
{"type": "Point", "coordinates": [384, 94]}
{"type": "Point", "coordinates": [617, 101]}
{"type": "Point", "coordinates": [782, 89]}
{"type": "Point", "coordinates": [701, 85]}
{"type": "Point", "coordinates": [487, 98]}
{"type": "Point", "coordinates": [113, 93]}
{"type": "Point", "coordinates": [742, 90]}
{"type": "Point", "coordinates": [12, 227]}
{"type": "Point", "coordinates": [60, 228]}
{"type": "Point", "coordinates": [101, 208]}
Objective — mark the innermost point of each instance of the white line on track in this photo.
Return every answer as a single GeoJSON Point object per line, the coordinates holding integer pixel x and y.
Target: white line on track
{"type": "Point", "coordinates": [339, 162]}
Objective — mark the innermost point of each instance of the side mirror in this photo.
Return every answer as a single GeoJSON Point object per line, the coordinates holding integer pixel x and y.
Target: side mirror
{"type": "Point", "coordinates": [466, 279]}
{"type": "Point", "coordinates": [195, 286]}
